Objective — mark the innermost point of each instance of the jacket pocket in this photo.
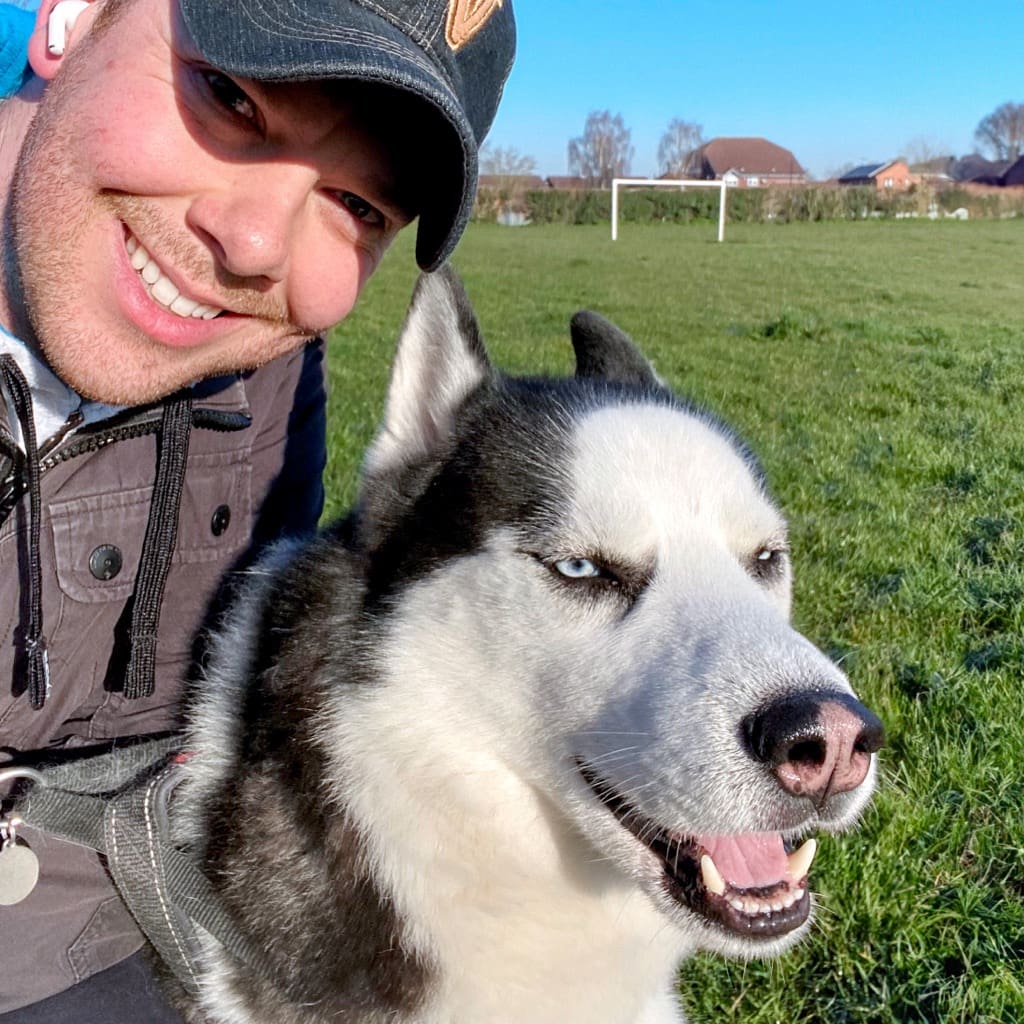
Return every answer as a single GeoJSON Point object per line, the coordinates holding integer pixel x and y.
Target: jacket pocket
{"type": "Point", "coordinates": [98, 539]}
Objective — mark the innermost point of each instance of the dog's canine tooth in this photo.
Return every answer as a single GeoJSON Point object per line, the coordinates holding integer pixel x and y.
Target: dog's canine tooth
{"type": "Point", "coordinates": [800, 860]}
{"type": "Point", "coordinates": [712, 877]}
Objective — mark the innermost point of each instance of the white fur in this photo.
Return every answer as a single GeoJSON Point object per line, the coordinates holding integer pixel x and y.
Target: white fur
{"type": "Point", "coordinates": [429, 378]}
{"type": "Point", "coordinates": [458, 765]}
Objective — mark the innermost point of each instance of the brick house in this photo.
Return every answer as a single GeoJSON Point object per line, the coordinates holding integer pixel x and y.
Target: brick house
{"type": "Point", "coordinates": [891, 176]}
{"type": "Point", "coordinates": [746, 162]}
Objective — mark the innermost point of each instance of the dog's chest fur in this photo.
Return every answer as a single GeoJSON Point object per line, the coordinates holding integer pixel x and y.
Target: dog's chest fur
{"type": "Point", "coordinates": [409, 878]}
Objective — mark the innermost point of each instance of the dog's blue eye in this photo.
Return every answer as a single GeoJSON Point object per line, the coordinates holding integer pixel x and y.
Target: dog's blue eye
{"type": "Point", "coordinates": [767, 563]}
{"type": "Point", "coordinates": [577, 568]}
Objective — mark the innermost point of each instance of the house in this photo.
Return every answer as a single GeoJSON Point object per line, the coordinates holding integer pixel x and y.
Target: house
{"type": "Point", "coordinates": [747, 162]}
{"type": "Point", "coordinates": [890, 176]}
{"type": "Point", "coordinates": [1014, 174]}
{"type": "Point", "coordinates": [977, 168]}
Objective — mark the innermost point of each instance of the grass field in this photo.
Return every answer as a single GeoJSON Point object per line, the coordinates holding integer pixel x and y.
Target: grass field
{"type": "Point", "coordinates": [877, 369]}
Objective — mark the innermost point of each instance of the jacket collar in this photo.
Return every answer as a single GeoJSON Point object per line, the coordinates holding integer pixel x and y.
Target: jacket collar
{"type": "Point", "coordinates": [219, 401]}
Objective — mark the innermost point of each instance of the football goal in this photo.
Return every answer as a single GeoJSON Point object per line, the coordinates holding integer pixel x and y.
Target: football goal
{"type": "Point", "coordinates": [679, 183]}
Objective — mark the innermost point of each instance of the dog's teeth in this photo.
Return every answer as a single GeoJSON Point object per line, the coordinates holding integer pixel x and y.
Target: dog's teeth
{"type": "Point", "coordinates": [800, 860]}
{"type": "Point", "coordinates": [713, 880]}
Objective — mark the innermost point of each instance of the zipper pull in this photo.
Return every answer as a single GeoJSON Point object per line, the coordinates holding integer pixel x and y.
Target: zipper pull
{"type": "Point", "coordinates": [73, 422]}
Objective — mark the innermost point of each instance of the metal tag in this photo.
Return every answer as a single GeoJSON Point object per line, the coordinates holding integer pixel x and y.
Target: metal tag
{"type": "Point", "coordinates": [19, 872]}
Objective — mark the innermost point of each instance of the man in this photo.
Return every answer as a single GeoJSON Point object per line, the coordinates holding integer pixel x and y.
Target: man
{"type": "Point", "coordinates": [195, 188]}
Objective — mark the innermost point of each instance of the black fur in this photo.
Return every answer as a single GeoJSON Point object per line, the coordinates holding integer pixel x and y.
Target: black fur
{"type": "Point", "coordinates": [278, 782]}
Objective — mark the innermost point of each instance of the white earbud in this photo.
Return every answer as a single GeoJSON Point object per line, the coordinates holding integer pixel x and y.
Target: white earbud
{"type": "Point", "coordinates": [62, 19]}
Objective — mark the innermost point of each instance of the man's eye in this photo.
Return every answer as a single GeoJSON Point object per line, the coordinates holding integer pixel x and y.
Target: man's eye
{"type": "Point", "coordinates": [229, 96]}
{"type": "Point", "coordinates": [360, 208]}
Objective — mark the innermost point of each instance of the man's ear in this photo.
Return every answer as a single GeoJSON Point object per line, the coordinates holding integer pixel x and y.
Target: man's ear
{"type": "Point", "coordinates": [59, 25]}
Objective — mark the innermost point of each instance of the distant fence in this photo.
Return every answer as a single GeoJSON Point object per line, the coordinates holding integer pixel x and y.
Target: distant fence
{"type": "Point", "coordinates": [748, 205]}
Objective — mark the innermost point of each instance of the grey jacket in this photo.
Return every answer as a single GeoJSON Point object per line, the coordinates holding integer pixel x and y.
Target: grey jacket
{"type": "Point", "coordinates": [255, 459]}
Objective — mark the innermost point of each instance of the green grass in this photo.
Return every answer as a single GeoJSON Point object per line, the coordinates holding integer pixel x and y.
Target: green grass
{"type": "Point", "coordinates": [877, 369]}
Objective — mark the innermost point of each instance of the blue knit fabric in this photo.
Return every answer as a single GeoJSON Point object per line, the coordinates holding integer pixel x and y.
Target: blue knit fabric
{"type": "Point", "coordinates": [16, 26]}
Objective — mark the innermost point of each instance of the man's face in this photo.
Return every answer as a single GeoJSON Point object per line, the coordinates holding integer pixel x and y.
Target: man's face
{"type": "Point", "coordinates": [172, 223]}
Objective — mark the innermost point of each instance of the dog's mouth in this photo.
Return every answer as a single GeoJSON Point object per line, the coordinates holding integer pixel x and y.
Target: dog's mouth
{"type": "Point", "coordinates": [752, 885]}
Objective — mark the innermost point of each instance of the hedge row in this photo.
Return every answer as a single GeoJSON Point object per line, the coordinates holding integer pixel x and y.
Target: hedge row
{"type": "Point", "coordinates": [750, 205]}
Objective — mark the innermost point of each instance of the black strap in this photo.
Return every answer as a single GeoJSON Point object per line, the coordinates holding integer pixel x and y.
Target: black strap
{"type": "Point", "coordinates": [118, 804]}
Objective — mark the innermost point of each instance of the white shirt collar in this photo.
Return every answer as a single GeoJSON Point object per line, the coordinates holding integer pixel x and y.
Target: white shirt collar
{"type": "Point", "coordinates": [53, 402]}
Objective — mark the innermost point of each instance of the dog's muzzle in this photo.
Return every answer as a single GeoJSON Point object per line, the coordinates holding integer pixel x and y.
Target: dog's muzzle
{"type": "Point", "coordinates": [751, 885]}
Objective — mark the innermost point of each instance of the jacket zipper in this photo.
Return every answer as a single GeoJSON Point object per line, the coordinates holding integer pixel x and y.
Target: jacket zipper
{"type": "Point", "coordinates": [13, 487]}
{"type": "Point", "coordinates": [93, 442]}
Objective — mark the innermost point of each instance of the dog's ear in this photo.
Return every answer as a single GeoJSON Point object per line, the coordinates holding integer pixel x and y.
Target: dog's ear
{"type": "Point", "coordinates": [440, 360]}
{"type": "Point", "coordinates": [605, 351]}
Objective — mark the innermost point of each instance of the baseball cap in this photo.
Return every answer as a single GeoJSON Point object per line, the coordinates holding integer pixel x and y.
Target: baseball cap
{"type": "Point", "coordinates": [454, 54]}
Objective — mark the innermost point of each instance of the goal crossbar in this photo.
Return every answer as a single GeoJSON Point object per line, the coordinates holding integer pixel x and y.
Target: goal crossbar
{"type": "Point", "coordinates": [679, 183]}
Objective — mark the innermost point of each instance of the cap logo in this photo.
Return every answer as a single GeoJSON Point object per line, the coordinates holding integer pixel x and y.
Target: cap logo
{"type": "Point", "coordinates": [466, 18]}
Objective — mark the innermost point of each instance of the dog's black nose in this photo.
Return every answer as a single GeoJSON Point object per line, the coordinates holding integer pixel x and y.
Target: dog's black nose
{"type": "Point", "coordinates": [817, 744]}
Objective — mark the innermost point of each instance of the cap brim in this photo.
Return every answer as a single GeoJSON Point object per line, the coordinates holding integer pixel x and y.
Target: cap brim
{"type": "Point", "coordinates": [336, 39]}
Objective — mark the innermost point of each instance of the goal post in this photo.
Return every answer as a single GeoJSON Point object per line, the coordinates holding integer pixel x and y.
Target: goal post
{"type": "Point", "coordinates": [679, 183]}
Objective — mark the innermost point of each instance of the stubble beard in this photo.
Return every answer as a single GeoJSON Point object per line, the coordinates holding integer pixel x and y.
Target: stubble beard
{"type": "Point", "coordinates": [49, 220]}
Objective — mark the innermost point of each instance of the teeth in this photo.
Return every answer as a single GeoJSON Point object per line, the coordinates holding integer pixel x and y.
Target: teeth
{"type": "Point", "coordinates": [800, 860]}
{"type": "Point", "coordinates": [162, 288]}
{"type": "Point", "coordinates": [183, 306]}
{"type": "Point", "coordinates": [752, 906]}
{"type": "Point", "coordinates": [798, 866]}
{"type": "Point", "coordinates": [712, 877]}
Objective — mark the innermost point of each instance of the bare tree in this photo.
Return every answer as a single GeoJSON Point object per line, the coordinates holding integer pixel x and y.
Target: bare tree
{"type": "Point", "coordinates": [506, 162]}
{"type": "Point", "coordinates": [603, 151]}
{"type": "Point", "coordinates": [510, 172]}
{"type": "Point", "coordinates": [681, 138]}
{"type": "Point", "coordinates": [924, 151]}
{"type": "Point", "coordinates": [1002, 131]}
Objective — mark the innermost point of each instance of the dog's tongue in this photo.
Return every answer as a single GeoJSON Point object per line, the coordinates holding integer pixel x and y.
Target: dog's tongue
{"type": "Point", "coordinates": [749, 861]}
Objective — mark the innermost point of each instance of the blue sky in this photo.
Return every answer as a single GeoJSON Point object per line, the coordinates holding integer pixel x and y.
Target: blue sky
{"type": "Point", "coordinates": [837, 83]}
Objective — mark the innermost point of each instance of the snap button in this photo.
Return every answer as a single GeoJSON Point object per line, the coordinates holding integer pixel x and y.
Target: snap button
{"type": "Point", "coordinates": [105, 562]}
{"type": "Point", "coordinates": [220, 520]}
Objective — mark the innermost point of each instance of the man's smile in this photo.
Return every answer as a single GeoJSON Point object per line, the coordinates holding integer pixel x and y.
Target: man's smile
{"type": "Point", "coordinates": [161, 288]}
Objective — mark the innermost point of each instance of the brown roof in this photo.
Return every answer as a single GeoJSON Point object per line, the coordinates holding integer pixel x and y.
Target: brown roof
{"type": "Point", "coordinates": [747, 155]}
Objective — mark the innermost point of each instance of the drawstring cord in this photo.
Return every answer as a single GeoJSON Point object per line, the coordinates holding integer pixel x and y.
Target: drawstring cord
{"type": "Point", "coordinates": [157, 547]}
{"type": "Point", "coordinates": [137, 629]}
{"type": "Point", "coordinates": [37, 667]}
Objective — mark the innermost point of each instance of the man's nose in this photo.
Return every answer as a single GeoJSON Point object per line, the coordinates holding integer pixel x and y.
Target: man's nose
{"type": "Point", "coordinates": [254, 221]}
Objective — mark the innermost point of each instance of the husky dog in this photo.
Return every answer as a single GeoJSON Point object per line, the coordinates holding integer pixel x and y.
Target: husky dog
{"type": "Point", "coordinates": [530, 726]}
